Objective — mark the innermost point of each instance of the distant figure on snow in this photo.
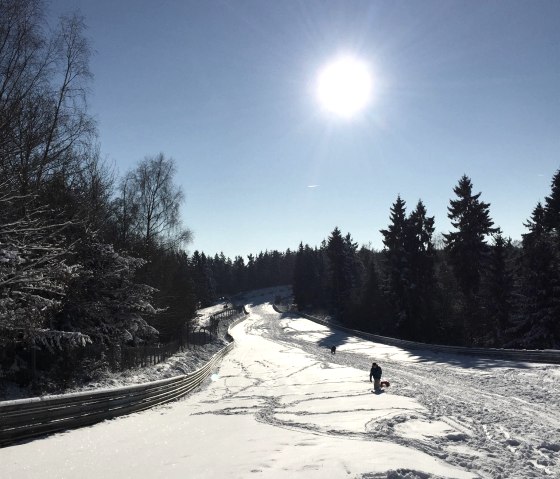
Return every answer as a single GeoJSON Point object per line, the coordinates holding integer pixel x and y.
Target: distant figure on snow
{"type": "Point", "coordinates": [375, 374]}
{"type": "Point", "coordinates": [333, 349]}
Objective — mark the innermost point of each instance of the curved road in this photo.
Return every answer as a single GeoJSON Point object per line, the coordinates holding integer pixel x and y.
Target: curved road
{"type": "Point", "coordinates": [281, 405]}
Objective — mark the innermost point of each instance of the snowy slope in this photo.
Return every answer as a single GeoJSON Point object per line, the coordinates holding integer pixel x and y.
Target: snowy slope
{"type": "Point", "coordinates": [499, 418]}
{"type": "Point", "coordinates": [281, 405]}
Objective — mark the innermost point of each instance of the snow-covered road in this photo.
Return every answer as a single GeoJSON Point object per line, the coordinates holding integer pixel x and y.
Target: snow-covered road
{"type": "Point", "coordinates": [281, 405]}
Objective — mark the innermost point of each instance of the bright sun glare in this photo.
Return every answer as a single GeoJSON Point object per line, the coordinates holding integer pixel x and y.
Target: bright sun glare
{"type": "Point", "coordinates": [344, 86]}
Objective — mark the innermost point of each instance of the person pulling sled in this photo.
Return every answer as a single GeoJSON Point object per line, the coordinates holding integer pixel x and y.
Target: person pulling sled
{"type": "Point", "coordinates": [375, 375]}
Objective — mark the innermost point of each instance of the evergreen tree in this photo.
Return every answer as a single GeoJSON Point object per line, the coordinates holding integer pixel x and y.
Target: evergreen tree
{"type": "Point", "coordinates": [394, 239]}
{"type": "Point", "coordinates": [448, 302]}
{"type": "Point", "coordinates": [287, 266]}
{"type": "Point", "coordinates": [300, 282]}
{"type": "Point", "coordinates": [36, 267]}
{"type": "Point", "coordinates": [251, 272]}
{"type": "Point", "coordinates": [342, 273]}
{"type": "Point", "coordinates": [239, 274]}
{"type": "Point", "coordinates": [105, 301]}
{"type": "Point", "coordinates": [536, 226]}
{"type": "Point", "coordinates": [274, 268]}
{"type": "Point", "coordinates": [421, 276]}
{"type": "Point", "coordinates": [175, 296]}
{"type": "Point", "coordinates": [467, 246]}
{"type": "Point", "coordinates": [373, 314]}
{"type": "Point", "coordinates": [203, 279]}
{"type": "Point", "coordinates": [337, 269]}
{"type": "Point", "coordinates": [537, 322]}
{"type": "Point", "coordinates": [221, 271]}
{"type": "Point", "coordinates": [552, 207]}
{"type": "Point", "coordinates": [468, 250]}
{"type": "Point", "coordinates": [498, 292]}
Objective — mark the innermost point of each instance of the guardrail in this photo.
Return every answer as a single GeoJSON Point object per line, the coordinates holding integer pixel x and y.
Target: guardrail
{"type": "Point", "coordinates": [230, 311]}
{"type": "Point", "coordinates": [26, 418]}
{"type": "Point", "coordinates": [551, 356]}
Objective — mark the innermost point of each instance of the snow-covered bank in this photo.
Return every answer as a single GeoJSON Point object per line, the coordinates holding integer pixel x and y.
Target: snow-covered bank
{"type": "Point", "coordinates": [180, 363]}
{"type": "Point", "coordinates": [282, 406]}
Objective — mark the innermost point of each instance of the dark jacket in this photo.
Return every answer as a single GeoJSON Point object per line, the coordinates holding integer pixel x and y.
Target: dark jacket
{"type": "Point", "coordinates": [375, 373]}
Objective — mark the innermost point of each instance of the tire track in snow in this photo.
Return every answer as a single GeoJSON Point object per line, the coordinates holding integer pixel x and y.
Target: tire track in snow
{"type": "Point", "coordinates": [505, 427]}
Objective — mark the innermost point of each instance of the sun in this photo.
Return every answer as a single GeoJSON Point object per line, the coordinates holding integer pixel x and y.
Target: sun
{"type": "Point", "coordinates": [344, 86]}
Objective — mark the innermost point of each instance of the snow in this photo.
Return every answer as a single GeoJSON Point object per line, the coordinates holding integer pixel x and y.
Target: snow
{"type": "Point", "coordinates": [281, 405]}
{"type": "Point", "coordinates": [203, 315]}
{"type": "Point", "coordinates": [180, 363]}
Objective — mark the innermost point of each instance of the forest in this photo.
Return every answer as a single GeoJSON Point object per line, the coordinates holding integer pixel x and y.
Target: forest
{"type": "Point", "coordinates": [470, 287]}
{"type": "Point", "coordinates": [92, 261]}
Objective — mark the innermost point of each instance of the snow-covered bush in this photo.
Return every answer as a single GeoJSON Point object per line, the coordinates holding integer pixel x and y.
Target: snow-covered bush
{"type": "Point", "coordinates": [35, 269]}
{"type": "Point", "coordinates": [105, 302]}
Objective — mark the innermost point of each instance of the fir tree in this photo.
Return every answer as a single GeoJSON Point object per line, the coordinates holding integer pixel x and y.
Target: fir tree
{"type": "Point", "coordinates": [306, 279]}
{"type": "Point", "coordinates": [468, 250]}
{"type": "Point", "coordinates": [394, 239]}
{"type": "Point", "coordinates": [421, 285]}
{"type": "Point", "coordinates": [537, 322]}
{"type": "Point", "coordinates": [373, 314]}
{"type": "Point", "coordinates": [337, 269]}
{"type": "Point", "coordinates": [204, 281]}
{"type": "Point", "coordinates": [535, 225]}
{"type": "Point", "coordinates": [239, 273]}
{"type": "Point", "coordinates": [105, 301]}
{"type": "Point", "coordinates": [498, 291]}
{"type": "Point", "coordinates": [467, 246]}
{"type": "Point", "coordinates": [552, 207]}
{"type": "Point", "coordinates": [299, 282]}
{"type": "Point", "coordinates": [343, 273]}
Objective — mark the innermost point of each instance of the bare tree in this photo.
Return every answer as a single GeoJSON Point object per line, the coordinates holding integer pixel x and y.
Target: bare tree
{"type": "Point", "coordinates": [151, 203]}
{"type": "Point", "coordinates": [70, 126]}
{"type": "Point", "coordinates": [24, 60]}
{"type": "Point", "coordinates": [125, 211]}
{"type": "Point", "coordinates": [44, 124]}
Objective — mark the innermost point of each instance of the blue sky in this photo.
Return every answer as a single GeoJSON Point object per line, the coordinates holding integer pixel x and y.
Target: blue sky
{"type": "Point", "coordinates": [227, 89]}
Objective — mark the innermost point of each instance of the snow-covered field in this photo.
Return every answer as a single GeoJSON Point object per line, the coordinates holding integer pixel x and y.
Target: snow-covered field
{"type": "Point", "coordinates": [280, 405]}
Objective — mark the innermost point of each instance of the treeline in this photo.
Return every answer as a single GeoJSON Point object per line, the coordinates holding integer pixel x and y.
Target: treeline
{"type": "Point", "coordinates": [90, 262]}
{"type": "Point", "coordinates": [476, 288]}
{"type": "Point", "coordinates": [219, 276]}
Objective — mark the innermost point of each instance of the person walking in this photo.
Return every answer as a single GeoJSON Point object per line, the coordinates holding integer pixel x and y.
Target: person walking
{"type": "Point", "coordinates": [375, 374]}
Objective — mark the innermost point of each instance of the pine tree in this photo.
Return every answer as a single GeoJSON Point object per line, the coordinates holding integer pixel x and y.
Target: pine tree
{"type": "Point", "coordinates": [36, 267]}
{"type": "Point", "coordinates": [373, 314]}
{"type": "Point", "coordinates": [251, 272]}
{"type": "Point", "coordinates": [239, 274]}
{"type": "Point", "coordinates": [394, 239]}
{"type": "Point", "coordinates": [337, 269]}
{"type": "Point", "coordinates": [175, 295]}
{"type": "Point", "coordinates": [537, 322]}
{"type": "Point", "coordinates": [421, 285]}
{"type": "Point", "coordinates": [467, 246]}
{"type": "Point", "coordinates": [468, 250]}
{"type": "Point", "coordinates": [498, 291]}
{"type": "Point", "coordinates": [306, 278]}
{"type": "Point", "coordinates": [535, 225]}
{"type": "Point", "coordinates": [300, 284]}
{"type": "Point", "coordinates": [105, 301]}
{"type": "Point", "coordinates": [205, 287]}
{"type": "Point", "coordinates": [552, 207]}
{"type": "Point", "coordinates": [343, 273]}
